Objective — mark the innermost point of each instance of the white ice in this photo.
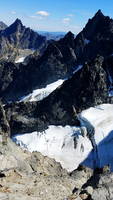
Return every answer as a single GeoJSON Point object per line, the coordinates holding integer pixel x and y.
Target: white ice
{"type": "Point", "coordinates": [58, 142]}
{"type": "Point", "coordinates": [101, 117]}
{"type": "Point", "coordinates": [39, 94]}
{"type": "Point", "coordinates": [20, 60]}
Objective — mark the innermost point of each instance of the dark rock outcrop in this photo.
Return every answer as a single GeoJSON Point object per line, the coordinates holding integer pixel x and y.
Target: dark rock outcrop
{"type": "Point", "coordinates": [4, 125]}
{"type": "Point", "coordinates": [86, 88]}
{"type": "Point", "coordinates": [96, 38]}
{"type": "Point", "coordinates": [56, 63]}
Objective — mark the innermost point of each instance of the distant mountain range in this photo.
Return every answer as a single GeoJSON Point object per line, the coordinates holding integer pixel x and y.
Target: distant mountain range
{"type": "Point", "coordinates": [52, 35]}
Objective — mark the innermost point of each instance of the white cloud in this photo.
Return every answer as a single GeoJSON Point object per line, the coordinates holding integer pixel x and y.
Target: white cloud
{"type": "Point", "coordinates": [43, 13]}
{"type": "Point", "coordinates": [70, 15]}
{"type": "Point", "coordinates": [13, 12]}
{"type": "Point", "coordinates": [66, 20]}
{"type": "Point", "coordinates": [36, 17]}
{"type": "Point", "coordinates": [33, 16]}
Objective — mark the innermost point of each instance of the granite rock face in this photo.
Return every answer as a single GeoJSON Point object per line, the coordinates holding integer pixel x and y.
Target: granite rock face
{"type": "Point", "coordinates": [31, 176]}
{"type": "Point", "coordinates": [4, 126]}
{"type": "Point", "coordinates": [55, 63]}
{"type": "Point", "coordinates": [96, 38]}
{"type": "Point", "coordinates": [86, 88]}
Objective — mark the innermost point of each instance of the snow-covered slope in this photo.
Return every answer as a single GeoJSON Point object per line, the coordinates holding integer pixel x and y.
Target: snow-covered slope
{"type": "Point", "coordinates": [20, 60]}
{"type": "Point", "coordinates": [58, 142]}
{"type": "Point", "coordinates": [73, 145]}
{"type": "Point", "coordinates": [39, 94]}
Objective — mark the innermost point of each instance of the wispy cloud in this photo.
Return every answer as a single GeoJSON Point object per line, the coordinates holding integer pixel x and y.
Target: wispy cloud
{"type": "Point", "coordinates": [13, 12]}
{"type": "Point", "coordinates": [66, 20]}
{"type": "Point", "coordinates": [36, 17]}
{"type": "Point", "coordinates": [43, 13]}
{"type": "Point", "coordinates": [70, 15]}
{"type": "Point", "coordinates": [33, 16]}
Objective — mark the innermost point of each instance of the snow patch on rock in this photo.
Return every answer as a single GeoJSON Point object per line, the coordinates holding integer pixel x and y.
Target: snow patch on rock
{"type": "Point", "coordinates": [39, 94]}
{"type": "Point", "coordinates": [20, 60]}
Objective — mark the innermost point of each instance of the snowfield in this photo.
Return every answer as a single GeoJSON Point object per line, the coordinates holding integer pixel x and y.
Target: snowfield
{"type": "Point", "coordinates": [72, 145]}
{"type": "Point", "coordinates": [39, 94]}
{"type": "Point", "coordinates": [20, 60]}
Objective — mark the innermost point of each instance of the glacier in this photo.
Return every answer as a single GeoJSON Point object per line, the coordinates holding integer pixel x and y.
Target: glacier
{"type": "Point", "coordinates": [69, 146]}
{"type": "Point", "coordinates": [39, 94]}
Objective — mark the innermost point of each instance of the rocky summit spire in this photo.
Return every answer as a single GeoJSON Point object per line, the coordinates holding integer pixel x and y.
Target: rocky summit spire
{"type": "Point", "coordinates": [17, 26]}
{"type": "Point", "coordinates": [99, 13]}
{"type": "Point", "coordinates": [18, 21]}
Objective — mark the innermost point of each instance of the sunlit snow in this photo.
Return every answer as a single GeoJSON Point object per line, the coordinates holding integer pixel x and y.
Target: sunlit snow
{"type": "Point", "coordinates": [20, 60]}
{"type": "Point", "coordinates": [69, 146]}
{"type": "Point", "coordinates": [58, 142]}
{"type": "Point", "coordinates": [40, 94]}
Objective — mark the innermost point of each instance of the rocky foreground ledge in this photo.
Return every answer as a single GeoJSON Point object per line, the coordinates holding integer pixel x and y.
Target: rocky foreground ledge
{"type": "Point", "coordinates": [31, 176]}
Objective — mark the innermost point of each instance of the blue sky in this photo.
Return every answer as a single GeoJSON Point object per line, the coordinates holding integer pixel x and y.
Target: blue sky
{"type": "Point", "coordinates": [51, 15]}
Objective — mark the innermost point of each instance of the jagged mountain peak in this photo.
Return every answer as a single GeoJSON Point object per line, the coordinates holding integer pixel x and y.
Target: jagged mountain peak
{"type": "Point", "coordinates": [68, 39]}
{"type": "Point", "coordinates": [99, 13]}
{"type": "Point", "coordinates": [69, 35]}
{"type": "Point", "coordinates": [95, 38]}
{"type": "Point", "coordinates": [18, 21]}
{"type": "Point", "coordinates": [16, 26]}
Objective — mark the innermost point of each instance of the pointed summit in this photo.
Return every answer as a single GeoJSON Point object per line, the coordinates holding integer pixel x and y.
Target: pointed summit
{"type": "Point", "coordinates": [98, 14]}
{"type": "Point", "coordinates": [69, 38]}
{"type": "Point", "coordinates": [69, 35]}
{"type": "Point", "coordinates": [17, 26]}
{"type": "Point", "coordinates": [18, 21]}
